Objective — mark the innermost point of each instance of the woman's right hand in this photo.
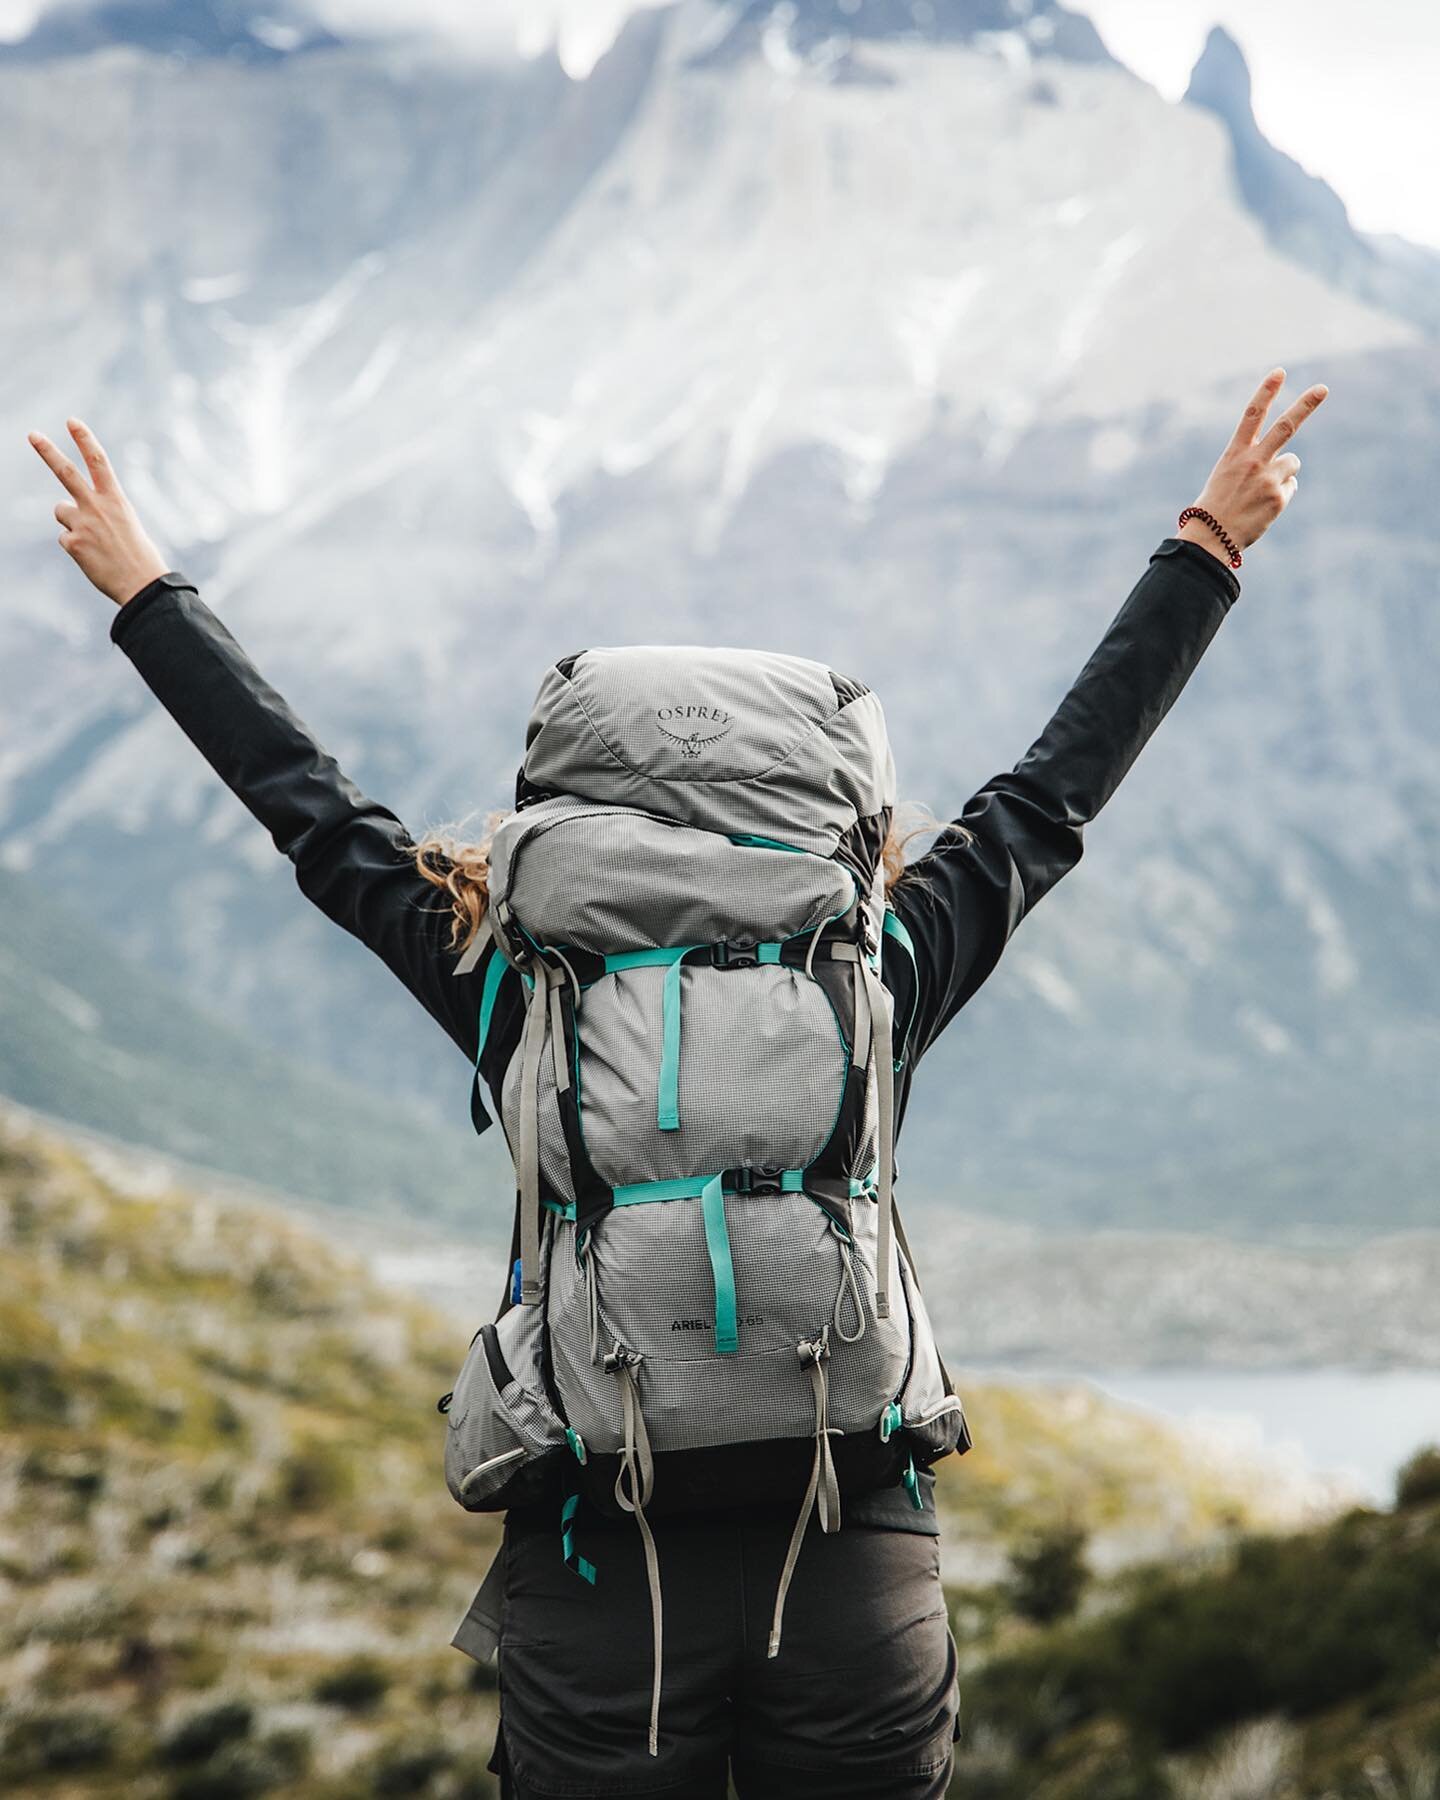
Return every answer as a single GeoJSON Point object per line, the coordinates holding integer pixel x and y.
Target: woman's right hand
{"type": "Point", "coordinates": [1252, 483]}
{"type": "Point", "coordinates": [101, 530]}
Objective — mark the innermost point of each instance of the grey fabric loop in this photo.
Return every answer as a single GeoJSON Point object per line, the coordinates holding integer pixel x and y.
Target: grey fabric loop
{"type": "Point", "coordinates": [638, 1464]}
{"type": "Point", "coordinates": [527, 1159]}
{"type": "Point", "coordinates": [822, 1485]}
{"type": "Point", "coordinates": [861, 1052]}
{"type": "Point", "coordinates": [885, 1149]}
{"type": "Point", "coordinates": [592, 1309]}
{"type": "Point", "coordinates": [476, 948]}
{"type": "Point", "coordinates": [849, 1288]}
{"type": "Point", "coordinates": [557, 1040]}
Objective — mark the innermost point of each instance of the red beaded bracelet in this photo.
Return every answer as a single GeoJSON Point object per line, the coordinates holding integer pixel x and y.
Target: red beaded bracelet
{"type": "Point", "coordinates": [1208, 518]}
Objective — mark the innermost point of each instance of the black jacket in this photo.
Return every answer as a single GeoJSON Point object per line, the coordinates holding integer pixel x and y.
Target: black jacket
{"type": "Point", "coordinates": [351, 853]}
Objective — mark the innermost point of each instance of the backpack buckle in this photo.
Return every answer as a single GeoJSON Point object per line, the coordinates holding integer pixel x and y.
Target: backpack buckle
{"type": "Point", "coordinates": [764, 1180]}
{"type": "Point", "coordinates": [725, 955]}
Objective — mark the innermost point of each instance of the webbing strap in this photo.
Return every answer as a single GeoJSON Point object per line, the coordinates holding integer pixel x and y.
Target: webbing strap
{"type": "Point", "coordinates": [634, 1484]}
{"type": "Point", "coordinates": [494, 975]}
{"type": "Point", "coordinates": [573, 1559]}
{"type": "Point", "coordinates": [667, 1113]}
{"type": "Point", "coordinates": [527, 1160]}
{"type": "Point", "coordinates": [476, 947]}
{"type": "Point", "coordinates": [557, 1039]}
{"type": "Point", "coordinates": [894, 925]}
{"type": "Point", "coordinates": [722, 1268]}
{"type": "Point", "coordinates": [647, 959]}
{"type": "Point", "coordinates": [823, 1487]}
{"type": "Point", "coordinates": [885, 1149]}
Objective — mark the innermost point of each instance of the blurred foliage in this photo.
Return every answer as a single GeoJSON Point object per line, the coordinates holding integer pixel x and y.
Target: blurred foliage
{"type": "Point", "coordinates": [1048, 1575]}
{"type": "Point", "coordinates": [1418, 1483]}
{"type": "Point", "coordinates": [228, 1563]}
{"type": "Point", "coordinates": [1333, 1633]}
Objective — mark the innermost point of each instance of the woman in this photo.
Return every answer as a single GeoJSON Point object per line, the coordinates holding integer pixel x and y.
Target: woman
{"type": "Point", "coordinates": [865, 1702]}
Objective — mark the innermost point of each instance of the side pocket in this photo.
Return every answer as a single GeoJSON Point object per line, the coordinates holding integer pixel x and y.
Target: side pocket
{"type": "Point", "coordinates": [501, 1430]}
{"type": "Point", "coordinates": [932, 1417]}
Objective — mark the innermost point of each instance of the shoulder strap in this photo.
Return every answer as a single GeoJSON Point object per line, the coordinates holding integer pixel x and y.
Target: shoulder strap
{"type": "Point", "coordinates": [894, 927]}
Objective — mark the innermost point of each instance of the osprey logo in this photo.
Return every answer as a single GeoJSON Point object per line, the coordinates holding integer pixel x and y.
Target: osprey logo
{"type": "Point", "coordinates": [713, 724]}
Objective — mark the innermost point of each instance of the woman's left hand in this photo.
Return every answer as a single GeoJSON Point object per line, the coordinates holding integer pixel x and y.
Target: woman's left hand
{"type": "Point", "coordinates": [102, 532]}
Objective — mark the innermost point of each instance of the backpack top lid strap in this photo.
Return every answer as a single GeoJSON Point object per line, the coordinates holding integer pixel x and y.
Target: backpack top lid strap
{"type": "Point", "coordinates": [775, 746]}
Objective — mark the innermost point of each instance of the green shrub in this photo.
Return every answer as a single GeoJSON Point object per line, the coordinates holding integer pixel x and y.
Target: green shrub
{"type": "Point", "coordinates": [315, 1477]}
{"type": "Point", "coordinates": [204, 1732]}
{"type": "Point", "coordinates": [45, 1742]}
{"type": "Point", "coordinates": [237, 1771]}
{"type": "Point", "coordinates": [408, 1769]}
{"type": "Point", "coordinates": [358, 1685]}
{"type": "Point", "coordinates": [1048, 1575]}
{"type": "Point", "coordinates": [1418, 1483]}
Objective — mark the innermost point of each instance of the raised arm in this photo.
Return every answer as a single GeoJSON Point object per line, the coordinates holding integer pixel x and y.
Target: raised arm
{"type": "Point", "coordinates": [352, 856]}
{"type": "Point", "coordinates": [962, 901]}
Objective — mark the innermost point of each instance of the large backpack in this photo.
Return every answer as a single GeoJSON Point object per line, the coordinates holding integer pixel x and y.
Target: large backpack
{"type": "Point", "coordinates": [709, 1305]}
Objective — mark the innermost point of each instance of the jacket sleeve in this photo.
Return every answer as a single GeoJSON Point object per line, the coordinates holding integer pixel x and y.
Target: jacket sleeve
{"type": "Point", "coordinates": [351, 854]}
{"type": "Point", "coordinates": [962, 900]}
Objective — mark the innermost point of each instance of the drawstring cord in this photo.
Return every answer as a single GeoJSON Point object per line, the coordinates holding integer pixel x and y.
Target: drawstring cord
{"type": "Point", "coordinates": [633, 1487]}
{"type": "Point", "coordinates": [823, 1488]}
{"type": "Point", "coordinates": [849, 1286]}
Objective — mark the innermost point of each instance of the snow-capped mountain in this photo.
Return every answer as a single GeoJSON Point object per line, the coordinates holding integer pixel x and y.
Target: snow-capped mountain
{"type": "Point", "coordinates": [896, 334]}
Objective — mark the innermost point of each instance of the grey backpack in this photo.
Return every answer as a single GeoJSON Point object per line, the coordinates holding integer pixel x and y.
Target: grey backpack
{"type": "Point", "coordinates": [712, 1303]}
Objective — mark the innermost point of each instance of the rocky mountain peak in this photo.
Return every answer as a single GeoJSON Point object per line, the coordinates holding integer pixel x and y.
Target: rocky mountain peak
{"type": "Point", "coordinates": [1220, 80]}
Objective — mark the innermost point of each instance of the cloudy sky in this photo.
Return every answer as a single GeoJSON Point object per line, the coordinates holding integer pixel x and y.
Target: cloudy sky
{"type": "Point", "coordinates": [1347, 90]}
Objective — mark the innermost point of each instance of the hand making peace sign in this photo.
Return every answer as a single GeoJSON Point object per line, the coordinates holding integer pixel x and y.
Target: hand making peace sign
{"type": "Point", "coordinates": [101, 530]}
{"type": "Point", "coordinates": [1252, 484]}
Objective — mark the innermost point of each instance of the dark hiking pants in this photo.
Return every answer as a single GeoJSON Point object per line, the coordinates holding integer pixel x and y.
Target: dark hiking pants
{"type": "Point", "coordinates": [860, 1703]}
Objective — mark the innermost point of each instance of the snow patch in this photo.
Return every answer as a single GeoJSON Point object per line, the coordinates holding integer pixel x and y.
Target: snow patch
{"type": "Point", "coordinates": [204, 290]}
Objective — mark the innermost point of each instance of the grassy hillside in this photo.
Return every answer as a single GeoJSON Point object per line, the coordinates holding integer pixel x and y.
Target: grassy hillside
{"type": "Point", "coordinates": [88, 1036]}
{"type": "Point", "coordinates": [228, 1562]}
{"type": "Point", "coordinates": [1301, 1668]}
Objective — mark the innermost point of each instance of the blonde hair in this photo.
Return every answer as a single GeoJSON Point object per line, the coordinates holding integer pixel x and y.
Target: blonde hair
{"type": "Point", "coordinates": [461, 868]}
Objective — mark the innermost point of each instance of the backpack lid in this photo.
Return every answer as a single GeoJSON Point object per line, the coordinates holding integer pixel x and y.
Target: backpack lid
{"type": "Point", "coordinates": [726, 739]}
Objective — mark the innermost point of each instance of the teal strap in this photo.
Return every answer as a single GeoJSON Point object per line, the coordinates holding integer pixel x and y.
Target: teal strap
{"type": "Point", "coordinates": [890, 1421]}
{"type": "Point", "coordinates": [912, 1486]}
{"type": "Point", "coordinates": [667, 1112]}
{"type": "Point", "coordinates": [494, 975]}
{"type": "Point", "coordinates": [692, 1187]}
{"type": "Point", "coordinates": [660, 956]}
{"type": "Point", "coordinates": [576, 1443]}
{"type": "Point", "coordinates": [717, 1242]}
{"type": "Point", "coordinates": [770, 952]}
{"type": "Point", "coordinates": [683, 1187]}
{"type": "Point", "coordinates": [764, 843]}
{"type": "Point", "coordinates": [894, 926]}
{"type": "Point", "coordinates": [573, 1559]}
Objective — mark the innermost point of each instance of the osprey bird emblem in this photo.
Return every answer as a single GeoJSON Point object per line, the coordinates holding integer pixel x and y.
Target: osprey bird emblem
{"type": "Point", "coordinates": [694, 744]}
{"type": "Point", "coordinates": [694, 741]}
